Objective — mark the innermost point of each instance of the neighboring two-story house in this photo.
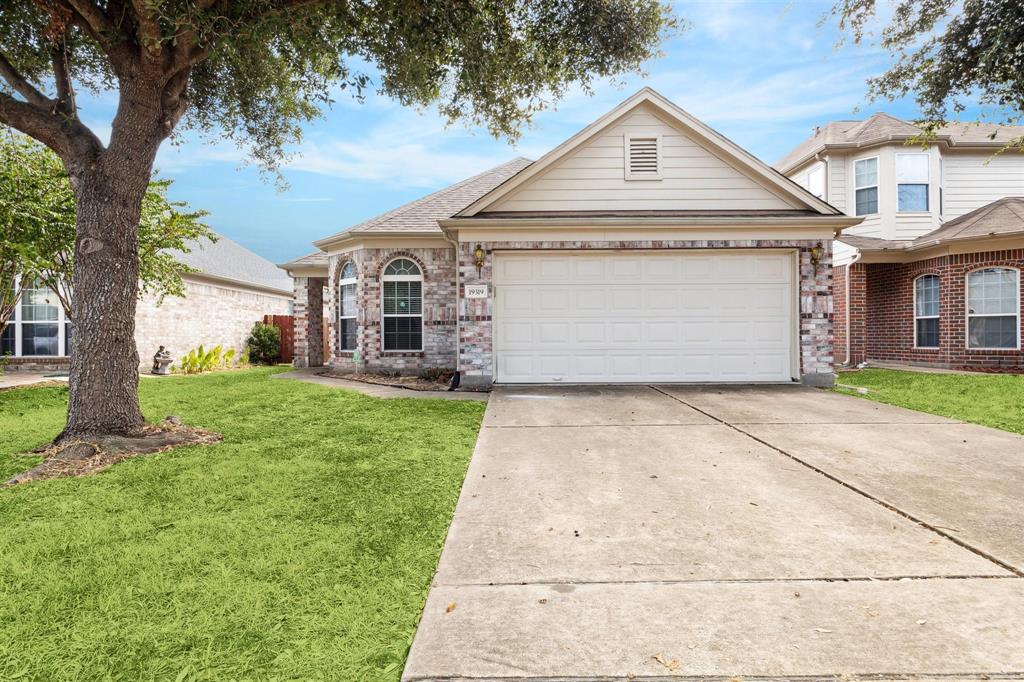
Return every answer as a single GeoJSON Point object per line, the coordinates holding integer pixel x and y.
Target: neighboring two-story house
{"type": "Point", "coordinates": [932, 275]}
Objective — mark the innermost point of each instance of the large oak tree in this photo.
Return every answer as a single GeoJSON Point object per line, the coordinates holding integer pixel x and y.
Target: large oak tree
{"type": "Point", "coordinates": [254, 70]}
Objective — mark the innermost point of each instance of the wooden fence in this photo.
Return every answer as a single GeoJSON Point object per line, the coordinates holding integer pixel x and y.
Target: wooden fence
{"type": "Point", "coordinates": [286, 323]}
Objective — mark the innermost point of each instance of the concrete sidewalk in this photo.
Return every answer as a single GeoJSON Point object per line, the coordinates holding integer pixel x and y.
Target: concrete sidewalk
{"type": "Point", "coordinates": [704, 533]}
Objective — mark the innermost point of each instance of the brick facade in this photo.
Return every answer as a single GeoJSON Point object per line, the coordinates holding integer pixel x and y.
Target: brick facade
{"type": "Point", "coordinates": [476, 360]}
{"type": "Point", "coordinates": [439, 305]}
{"type": "Point", "coordinates": [883, 329]}
{"type": "Point", "coordinates": [309, 305]}
{"type": "Point", "coordinates": [209, 315]}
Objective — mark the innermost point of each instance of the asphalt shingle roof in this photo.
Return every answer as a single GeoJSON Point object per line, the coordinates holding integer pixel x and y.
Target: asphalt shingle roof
{"type": "Point", "coordinates": [422, 214]}
{"type": "Point", "coordinates": [882, 126]}
{"type": "Point", "coordinates": [1000, 218]}
{"type": "Point", "coordinates": [230, 260]}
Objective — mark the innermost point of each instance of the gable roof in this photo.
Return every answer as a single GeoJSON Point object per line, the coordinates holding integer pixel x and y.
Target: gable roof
{"type": "Point", "coordinates": [1001, 218]}
{"type": "Point", "coordinates": [882, 127]}
{"type": "Point", "coordinates": [421, 215]}
{"type": "Point", "coordinates": [228, 260]}
{"type": "Point", "coordinates": [717, 144]}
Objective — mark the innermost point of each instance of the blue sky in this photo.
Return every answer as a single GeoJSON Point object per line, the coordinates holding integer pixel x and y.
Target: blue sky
{"type": "Point", "coordinates": [761, 72]}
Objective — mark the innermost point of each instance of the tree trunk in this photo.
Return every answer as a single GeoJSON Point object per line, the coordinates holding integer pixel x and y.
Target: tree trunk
{"type": "Point", "coordinates": [104, 360]}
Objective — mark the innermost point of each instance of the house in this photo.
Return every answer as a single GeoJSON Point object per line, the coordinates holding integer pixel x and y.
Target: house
{"type": "Point", "coordinates": [645, 248]}
{"type": "Point", "coordinates": [230, 290]}
{"type": "Point", "coordinates": [931, 276]}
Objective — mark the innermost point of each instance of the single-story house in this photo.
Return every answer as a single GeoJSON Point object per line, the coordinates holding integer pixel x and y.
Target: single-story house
{"type": "Point", "coordinates": [932, 274]}
{"type": "Point", "coordinates": [645, 248]}
{"type": "Point", "coordinates": [231, 289]}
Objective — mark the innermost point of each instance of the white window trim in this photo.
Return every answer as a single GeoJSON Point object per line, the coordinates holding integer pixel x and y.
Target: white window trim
{"type": "Point", "coordinates": [917, 317]}
{"type": "Point", "coordinates": [348, 281]}
{"type": "Point", "coordinates": [877, 185]}
{"type": "Point", "coordinates": [383, 315]}
{"type": "Point", "coordinates": [967, 309]}
{"type": "Point", "coordinates": [16, 322]}
{"type": "Point", "coordinates": [627, 143]}
{"type": "Point", "coordinates": [927, 183]}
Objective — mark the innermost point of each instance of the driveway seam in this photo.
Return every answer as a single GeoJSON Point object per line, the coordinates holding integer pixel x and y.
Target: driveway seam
{"type": "Point", "coordinates": [737, 581]}
{"type": "Point", "coordinates": [905, 514]}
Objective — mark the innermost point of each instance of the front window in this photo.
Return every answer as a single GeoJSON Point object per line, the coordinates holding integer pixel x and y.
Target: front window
{"type": "Point", "coordinates": [866, 185]}
{"type": "Point", "coordinates": [912, 182]}
{"type": "Point", "coordinates": [403, 306]}
{"type": "Point", "coordinates": [347, 307]}
{"type": "Point", "coordinates": [993, 308]}
{"type": "Point", "coordinates": [40, 321]}
{"type": "Point", "coordinates": [926, 311]}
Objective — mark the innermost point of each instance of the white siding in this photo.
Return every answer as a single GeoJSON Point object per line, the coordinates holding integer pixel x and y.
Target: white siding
{"type": "Point", "coordinates": [975, 179]}
{"type": "Point", "coordinates": [837, 182]}
{"type": "Point", "coordinates": [593, 178]}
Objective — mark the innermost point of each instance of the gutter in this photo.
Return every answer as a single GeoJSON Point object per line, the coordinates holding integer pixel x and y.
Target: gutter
{"type": "Point", "coordinates": [831, 221]}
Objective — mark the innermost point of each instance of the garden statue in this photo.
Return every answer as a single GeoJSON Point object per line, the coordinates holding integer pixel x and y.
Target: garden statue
{"type": "Point", "coordinates": [161, 362]}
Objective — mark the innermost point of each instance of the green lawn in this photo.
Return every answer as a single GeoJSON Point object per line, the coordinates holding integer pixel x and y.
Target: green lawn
{"type": "Point", "coordinates": [300, 548]}
{"type": "Point", "coordinates": [991, 399]}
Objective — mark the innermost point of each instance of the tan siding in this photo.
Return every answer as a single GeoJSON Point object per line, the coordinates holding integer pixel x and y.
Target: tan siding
{"type": "Point", "coordinates": [593, 178]}
{"type": "Point", "coordinates": [837, 182]}
{"type": "Point", "coordinates": [976, 179]}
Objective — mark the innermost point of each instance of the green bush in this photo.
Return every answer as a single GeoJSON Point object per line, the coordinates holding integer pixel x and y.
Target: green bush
{"type": "Point", "coordinates": [264, 343]}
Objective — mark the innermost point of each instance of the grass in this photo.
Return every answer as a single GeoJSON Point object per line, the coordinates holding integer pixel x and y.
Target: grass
{"type": "Point", "coordinates": [300, 548]}
{"type": "Point", "coordinates": [995, 400]}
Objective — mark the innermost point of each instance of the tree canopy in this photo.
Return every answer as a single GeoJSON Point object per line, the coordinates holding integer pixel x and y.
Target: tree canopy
{"type": "Point", "coordinates": [948, 54]}
{"type": "Point", "coordinates": [37, 227]}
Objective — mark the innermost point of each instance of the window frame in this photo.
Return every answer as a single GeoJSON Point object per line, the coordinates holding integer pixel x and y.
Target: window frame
{"type": "Point", "coordinates": [968, 314]}
{"type": "Point", "coordinates": [937, 316]}
{"type": "Point", "coordinates": [342, 283]}
{"type": "Point", "coordinates": [927, 183]}
{"type": "Point", "coordinates": [17, 322]}
{"type": "Point", "coordinates": [400, 278]}
{"type": "Point", "coordinates": [876, 186]}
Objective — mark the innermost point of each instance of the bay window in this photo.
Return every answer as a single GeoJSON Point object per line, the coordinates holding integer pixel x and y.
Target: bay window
{"type": "Point", "coordinates": [865, 173]}
{"type": "Point", "coordinates": [912, 182]}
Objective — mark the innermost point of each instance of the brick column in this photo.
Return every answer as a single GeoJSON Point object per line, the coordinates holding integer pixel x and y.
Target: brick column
{"type": "Point", "coordinates": [857, 275]}
{"type": "Point", "coordinates": [309, 321]}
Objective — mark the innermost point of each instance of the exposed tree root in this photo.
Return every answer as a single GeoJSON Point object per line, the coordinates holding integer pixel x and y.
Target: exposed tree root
{"type": "Point", "coordinates": [87, 455]}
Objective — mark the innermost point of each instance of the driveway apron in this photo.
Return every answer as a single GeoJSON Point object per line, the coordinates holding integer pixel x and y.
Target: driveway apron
{"type": "Point", "coordinates": [683, 532]}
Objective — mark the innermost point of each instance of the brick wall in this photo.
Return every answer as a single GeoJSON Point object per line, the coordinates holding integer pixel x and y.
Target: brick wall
{"type": "Point", "coordinates": [439, 293]}
{"type": "Point", "coordinates": [816, 306]}
{"type": "Point", "coordinates": [308, 314]}
{"type": "Point", "coordinates": [208, 315]}
{"type": "Point", "coordinates": [889, 331]}
{"type": "Point", "coordinates": [849, 343]}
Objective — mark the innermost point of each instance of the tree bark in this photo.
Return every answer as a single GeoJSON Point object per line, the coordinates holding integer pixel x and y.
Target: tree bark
{"type": "Point", "coordinates": [109, 190]}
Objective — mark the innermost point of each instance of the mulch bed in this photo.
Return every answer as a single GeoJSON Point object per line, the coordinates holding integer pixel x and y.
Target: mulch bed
{"type": "Point", "coordinates": [411, 383]}
{"type": "Point", "coordinates": [86, 456]}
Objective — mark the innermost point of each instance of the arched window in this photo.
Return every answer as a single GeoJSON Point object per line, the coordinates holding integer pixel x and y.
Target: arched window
{"type": "Point", "coordinates": [402, 306]}
{"type": "Point", "coordinates": [347, 307]}
{"type": "Point", "coordinates": [993, 308]}
{"type": "Point", "coordinates": [926, 311]}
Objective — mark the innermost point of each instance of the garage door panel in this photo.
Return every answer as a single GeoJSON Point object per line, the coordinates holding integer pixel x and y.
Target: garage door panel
{"type": "Point", "coordinates": [644, 316]}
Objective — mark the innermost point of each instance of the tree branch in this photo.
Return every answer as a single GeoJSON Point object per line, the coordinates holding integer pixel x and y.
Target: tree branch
{"type": "Point", "coordinates": [98, 22]}
{"type": "Point", "coordinates": [21, 85]}
{"type": "Point", "coordinates": [149, 29]}
{"type": "Point", "coordinates": [62, 77]}
{"type": "Point", "coordinates": [71, 139]}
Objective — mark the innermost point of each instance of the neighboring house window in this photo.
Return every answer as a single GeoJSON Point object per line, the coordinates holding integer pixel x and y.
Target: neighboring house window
{"type": "Point", "coordinates": [403, 306]}
{"type": "Point", "coordinates": [993, 308]}
{"type": "Point", "coordinates": [912, 182]}
{"type": "Point", "coordinates": [865, 173]}
{"type": "Point", "coordinates": [926, 311]}
{"type": "Point", "coordinates": [816, 181]}
{"type": "Point", "coordinates": [347, 307]}
{"type": "Point", "coordinates": [38, 327]}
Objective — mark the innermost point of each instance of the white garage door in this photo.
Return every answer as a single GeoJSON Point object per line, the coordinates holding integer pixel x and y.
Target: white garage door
{"type": "Point", "coordinates": [644, 316]}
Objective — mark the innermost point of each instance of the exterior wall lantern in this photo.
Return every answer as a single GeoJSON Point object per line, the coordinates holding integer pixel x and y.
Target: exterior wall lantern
{"type": "Point", "coordinates": [478, 258]}
{"type": "Point", "coordinates": [816, 252]}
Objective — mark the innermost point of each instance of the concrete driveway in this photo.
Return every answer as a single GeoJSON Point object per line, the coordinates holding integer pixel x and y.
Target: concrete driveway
{"type": "Point", "coordinates": [653, 533]}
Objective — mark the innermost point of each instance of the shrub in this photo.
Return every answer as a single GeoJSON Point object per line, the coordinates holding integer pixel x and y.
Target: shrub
{"type": "Point", "coordinates": [264, 343]}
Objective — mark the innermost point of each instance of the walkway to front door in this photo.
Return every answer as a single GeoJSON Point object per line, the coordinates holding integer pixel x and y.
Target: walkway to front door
{"type": "Point", "coordinates": [759, 532]}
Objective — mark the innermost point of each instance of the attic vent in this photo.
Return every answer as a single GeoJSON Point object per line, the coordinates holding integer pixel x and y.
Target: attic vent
{"type": "Point", "coordinates": [643, 157]}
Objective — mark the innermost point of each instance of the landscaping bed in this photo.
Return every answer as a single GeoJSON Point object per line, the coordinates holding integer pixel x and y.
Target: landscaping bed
{"type": "Point", "coordinates": [995, 400]}
{"type": "Point", "coordinates": [300, 547]}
